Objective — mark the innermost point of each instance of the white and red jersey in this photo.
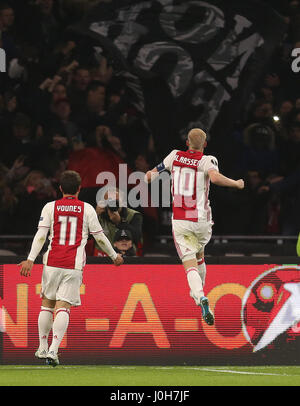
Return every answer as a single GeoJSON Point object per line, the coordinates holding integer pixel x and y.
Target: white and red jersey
{"type": "Point", "coordinates": [190, 184]}
{"type": "Point", "coordinates": [69, 221]}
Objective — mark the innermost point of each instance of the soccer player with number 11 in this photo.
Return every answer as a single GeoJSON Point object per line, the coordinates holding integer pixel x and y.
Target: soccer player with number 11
{"type": "Point", "coordinates": [191, 173]}
{"type": "Point", "coordinates": [70, 221]}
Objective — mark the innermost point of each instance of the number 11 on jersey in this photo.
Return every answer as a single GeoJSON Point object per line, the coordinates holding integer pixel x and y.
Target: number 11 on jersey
{"type": "Point", "coordinates": [64, 220]}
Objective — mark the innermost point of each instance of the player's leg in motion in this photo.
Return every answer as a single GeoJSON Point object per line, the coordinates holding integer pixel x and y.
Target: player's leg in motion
{"type": "Point", "coordinates": [201, 266]}
{"type": "Point", "coordinates": [59, 329]}
{"type": "Point", "coordinates": [189, 251]}
{"type": "Point", "coordinates": [45, 321]}
{"type": "Point", "coordinates": [202, 272]}
{"type": "Point", "coordinates": [193, 278]}
{"type": "Point", "coordinates": [196, 284]}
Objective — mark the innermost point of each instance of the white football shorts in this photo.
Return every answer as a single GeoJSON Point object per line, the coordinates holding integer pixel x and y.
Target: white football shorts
{"type": "Point", "coordinates": [61, 284]}
{"type": "Point", "coordinates": [190, 237]}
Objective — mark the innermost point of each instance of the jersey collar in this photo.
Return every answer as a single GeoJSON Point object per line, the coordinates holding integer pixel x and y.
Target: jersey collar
{"type": "Point", "coordinates": [194, 150]}
{"type": "Point", "coordinates": [70, 197]}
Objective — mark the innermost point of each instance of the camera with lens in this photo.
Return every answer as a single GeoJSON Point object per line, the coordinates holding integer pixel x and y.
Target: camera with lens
{"type": "Point", "coordinates": [113, 204]}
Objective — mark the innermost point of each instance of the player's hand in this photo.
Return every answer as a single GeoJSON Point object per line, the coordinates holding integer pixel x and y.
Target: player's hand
{"type": "Point", "coordinates": [26, 267]}
{"type": "Point", "coordinates": [119, 260]}
{"type": "Point", "coordinates": [240, 184]}
{"type": "Point", "coordinates": [150, 176]}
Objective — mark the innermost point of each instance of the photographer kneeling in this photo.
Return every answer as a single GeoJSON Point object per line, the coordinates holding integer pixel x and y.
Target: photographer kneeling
{"type": "Point", "coordinates": [114, 217]}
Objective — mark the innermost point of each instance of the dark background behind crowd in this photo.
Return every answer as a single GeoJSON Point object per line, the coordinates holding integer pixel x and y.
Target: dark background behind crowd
{"type": "Point", "coordinates": [62, 107]}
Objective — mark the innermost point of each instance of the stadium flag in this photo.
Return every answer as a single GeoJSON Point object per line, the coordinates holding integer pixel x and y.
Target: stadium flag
{"type": "Point", "coordinates": [188, 63]}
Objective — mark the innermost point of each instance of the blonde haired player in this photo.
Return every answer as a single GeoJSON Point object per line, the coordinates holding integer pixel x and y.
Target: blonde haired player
{"type": "Point", "coordinates": [191, 173]}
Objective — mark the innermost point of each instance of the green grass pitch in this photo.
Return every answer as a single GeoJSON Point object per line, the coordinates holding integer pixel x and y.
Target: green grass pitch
{"type": "Point", "coordinates": [92, 375]}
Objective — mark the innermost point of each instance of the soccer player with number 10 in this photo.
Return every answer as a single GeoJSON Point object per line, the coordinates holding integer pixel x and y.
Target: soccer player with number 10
{"type": "Point", "coordinates": [191, 173]}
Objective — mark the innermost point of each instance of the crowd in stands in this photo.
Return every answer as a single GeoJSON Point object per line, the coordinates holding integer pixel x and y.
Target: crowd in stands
{"type": "Point", "coordinates": [62, 107]}
{"type": "Point", "coordinates": [264, 147]}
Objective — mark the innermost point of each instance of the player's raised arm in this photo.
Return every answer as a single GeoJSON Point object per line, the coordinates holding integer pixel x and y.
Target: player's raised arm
{"type": "Point", "coordinates": [38, 242]}
{"type": "Point", "coordinates": [101, 239]}
{"type": "Point", "coordinates": [165, 165]}
{"type": "Point", "coordinates": [151, 175]}
{"type": "Point", "coordinates": [218, 179]}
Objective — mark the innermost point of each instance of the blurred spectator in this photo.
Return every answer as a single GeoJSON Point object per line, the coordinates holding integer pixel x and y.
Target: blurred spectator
{"type": "Point", "coordinates": [8, 200]}
{"type": "Point", "coordinates": [19, 142]}
{"type": "Point", "coordinates": [103, 72]}
{"type": "Point", "coordinates": [285, 108]}
{"type": "Point", "coordinates": [50, 91]}
{"type": "Point", "coordinates": [44, 30]}
{"type": "Point", "coordinates": [32, 194]}
{"type": "Point", "coordinates": [96, 157]}
{"type": "Point", "coordinates": [36, 182]}
{"type": "Point", "coordinates": [262, 111]}
{"type": "Point", "coordinates": [142, 163]}
{"type": "Point", "coordinates": [58, 91]}
{"type": "Point", "coordinates": [18, 171]}
{"type": "Point", "coordinates": [62, 61]}
{"type": "Point", "coordinates": [24, 69]}
{"type": "Point", "coordinates": [7, 38]}
{"type": "Point", "coordinates": [96, 97]}
{"type": "Point", "coordinates": [259, 150]}
{"type": "Point", "coordinates": [77, 90]}
{"type": "Point", "coordinates": [63, 125]}
{"type": "Point", "coordinates": [290, 149]}
{"type": "Point", "coordinates": [106, 138]}
{"type": "Point", "coordinates": [288, 189]}
{"type": "Point", "coordinates": [7, 17]}
{"type": "Point", "coordinates": [123, 243]}
{"type": "Point", "coordinates": [9, 110]}
{"type": "Point", "coordinates": [115, 217]}
{"type": "Point", "coordinates": [93, 115]}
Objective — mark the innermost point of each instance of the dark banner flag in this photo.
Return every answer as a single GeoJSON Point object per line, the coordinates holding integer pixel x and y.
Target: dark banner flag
{"type": "Point", "coordinates": [187, 63]}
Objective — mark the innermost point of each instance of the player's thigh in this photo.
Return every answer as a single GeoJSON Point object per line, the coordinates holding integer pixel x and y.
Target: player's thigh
{"type": "Point", "coordinates": [62, 304]}
{"type": "Point", "coordinates": [48, 303]}
{"type": "Point", "coordinates": [203, 233]}
{"type": "Point", "coordinates": [50, 282]}
{"type": "Point", "coordinates": [69, 288]}
{"type": "Point", "coordinates": [185, 240]}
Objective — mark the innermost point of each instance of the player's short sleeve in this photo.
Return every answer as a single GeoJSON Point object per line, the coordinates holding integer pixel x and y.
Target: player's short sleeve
{"type": "Point", "coordinates": [168, 161]}
{"type": "Point", "coordinates": [211, 163]}
{"type": "Point", "coordinates": [93, 223]}
{"type": "Point", "coordinates": [46, 215]}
